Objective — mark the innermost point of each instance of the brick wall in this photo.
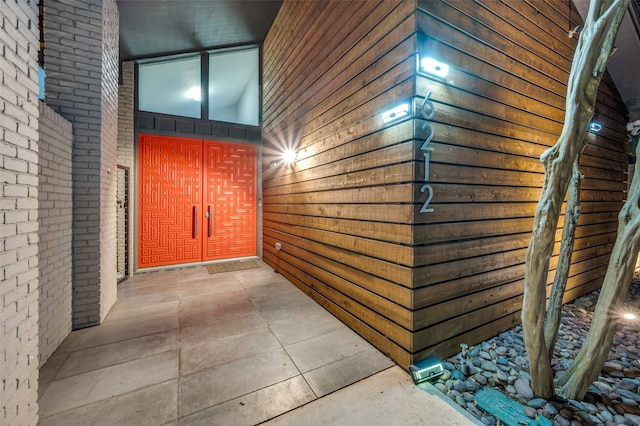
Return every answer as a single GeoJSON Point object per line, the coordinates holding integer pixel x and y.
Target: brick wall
{"type": "Point", "coordinates": [19, 213]}
{"type": "Point", "coordinates": [126, 135]}
{"type": "Point", "coordinates": [109, 153]}
{"type": "Point", "coordinates": [80, 57]}
{"type": "Point", "coordinates": [126, 129]}
{"type": "Point", "coordinates": [54, 234]}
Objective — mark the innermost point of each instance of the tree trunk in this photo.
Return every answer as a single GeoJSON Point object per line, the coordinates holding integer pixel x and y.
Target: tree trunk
{"type": "Point", "coordinates": [571, 216]}
{"type": "Point", "coordinates": [592, 53]}
{"type": "Point", "coordinates": [594, 352]}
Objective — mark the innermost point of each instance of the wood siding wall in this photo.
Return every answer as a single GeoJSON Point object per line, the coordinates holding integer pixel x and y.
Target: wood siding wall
{"type": "Point", "coordinates": [501, 106]}
{"type": "Point", "coordinates": [343, 212]}
{"type": "Point", "coordinates": [347, 212]}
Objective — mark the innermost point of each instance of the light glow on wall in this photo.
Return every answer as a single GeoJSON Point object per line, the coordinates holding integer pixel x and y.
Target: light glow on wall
{"type": "Point", "coordinates": [396, 113]}
{"type": "Point", "coordinates": [433, 67]}
{"type": "Point", "coordinates": [194, 93]}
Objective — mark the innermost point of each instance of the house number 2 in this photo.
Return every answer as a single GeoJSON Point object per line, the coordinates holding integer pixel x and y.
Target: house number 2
{"type": "Point", "coordinates": [427, 111]}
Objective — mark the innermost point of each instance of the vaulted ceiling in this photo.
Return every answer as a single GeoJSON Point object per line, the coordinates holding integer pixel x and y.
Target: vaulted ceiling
{"type": "Point", "coordinates": [151, 28]}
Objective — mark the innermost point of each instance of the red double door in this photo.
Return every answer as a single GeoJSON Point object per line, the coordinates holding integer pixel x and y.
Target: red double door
{"type": "Point", "coordinates": [197, 200]}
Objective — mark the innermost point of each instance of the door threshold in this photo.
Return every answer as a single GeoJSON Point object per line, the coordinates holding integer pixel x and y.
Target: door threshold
{"type": "Point", "coordinates": [192, 264]}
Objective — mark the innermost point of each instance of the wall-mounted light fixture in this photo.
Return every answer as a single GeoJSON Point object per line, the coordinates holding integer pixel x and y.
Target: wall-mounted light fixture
{"type": "Point", "coordinates": [289, 156]}
{"type": "Point", "coordinates": [433, 67]}
{"type": "Point", "coordinates": [575, 32]}
{"type": "Point", "coordinates": [595, 127]}
{"type": "Point", "coordinates": [396, 113]}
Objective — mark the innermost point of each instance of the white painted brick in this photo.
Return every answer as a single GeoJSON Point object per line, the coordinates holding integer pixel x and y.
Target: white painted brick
{"type": "Point", "coordinates": [15, 191]}
{"type": "Point", "coordinates": [54, 248]}
{"type": "Point", "coordinates": [15, 165]}
{"type": "Point", "coordinates": [16, 241]}
{"type": "Point", "coordinates": [18, 156]}
{"type": "Point", "coordinates": [81, 71]}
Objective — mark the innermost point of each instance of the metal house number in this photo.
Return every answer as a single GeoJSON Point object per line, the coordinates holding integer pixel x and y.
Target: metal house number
{"type": "Point", "coordinates": [427, 111]}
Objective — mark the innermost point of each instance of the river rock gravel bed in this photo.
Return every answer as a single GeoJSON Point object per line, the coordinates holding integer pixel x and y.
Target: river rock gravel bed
{"type": "Point", "coordinates": [501, 363]}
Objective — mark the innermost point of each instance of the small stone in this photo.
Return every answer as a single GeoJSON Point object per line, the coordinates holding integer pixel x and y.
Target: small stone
{"type": "Point", "coordinates": [602, 386]}
{"type": "Point", "coordinates": [579, 405]}
{"type": "Point", "coordinates": [633, 418]}
{"type": "Point", "coordinates": [537, 403]}
{"type": "Point", "coordinates": [619, 419]}
{"type": "Point", "coordinates": [442, 388]}
{"type": "Point", "coordinates": [446, 375]}
{"type": "Point", "coordinates": [524, 375]}
{"type": "Point", "coordinates": [470, 385]}
{"type": "Point", "coordinates": [457, 375]}
{"type": "Point", "coordinates": [590, 407]}
{"type": "Point", "coordinates": [614, 365]}
{"type": "Point", "coordinates": [606, 416]}
{"type": "Point", "coordinates": [523, 388]}
{"type": "Point", "coordinates": [489, 366]}
{"type": "Point", "coordinates": [489, 421]}
{"type": "Point", "coordinates": [627, 394]}
{"type": "Point", "coordinates": [485, 355]}
{"type": "Point", "coordinates": [551, 409]}
{"type": "Point", "coordinates": [504, 368]}
{"type": "Point", "coordinates": [530, 412]}
{"type": "Point", "coordinates": [459, 386]}
{"type": "Point", "coordinates": [520, 360]}
{"type": "Point", "coordinates": [562, 421]}
{"type": "Point", "coordinates": [606, 399]}
{"type": "Point", "coordinates": [566, 413]}
{"type": "Point", "coordinates": [473, 352]}
{"type": "Point", "coordinates": [480, 379]}
{"type": "Point", "coordinates": [501, 376]}
{"type": "Point", "coordinates": [468, 397]}
{"type": "Point", "coordinates": [470, 407]}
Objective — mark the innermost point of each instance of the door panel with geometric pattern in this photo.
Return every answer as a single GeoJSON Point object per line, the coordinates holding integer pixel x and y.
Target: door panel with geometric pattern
{"type": "Point", "coordinates": [197, 200]}
{"type": "Point", "coordinates": [230, 200]}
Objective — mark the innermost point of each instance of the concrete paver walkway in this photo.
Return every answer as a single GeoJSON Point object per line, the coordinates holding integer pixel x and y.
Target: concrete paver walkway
{"type": "Point", "coordinates": [238, 348]}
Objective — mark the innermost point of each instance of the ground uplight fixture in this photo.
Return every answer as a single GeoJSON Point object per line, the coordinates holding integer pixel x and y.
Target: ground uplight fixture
{"type": "Point", "coordinates": [425, 369]}
{"type": "Point", "coordinates": [629, 316]}
{"type": "Point", "coordinates": [433, 67]}
{"type": "Point", "coordinates": [396, 113]}
{"type": "Point", "coordinates": [595, 127]}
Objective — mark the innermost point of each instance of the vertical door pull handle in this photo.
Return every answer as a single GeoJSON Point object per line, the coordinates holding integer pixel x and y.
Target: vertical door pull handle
{"type": "Point", "coordinates": [195, 221]}
{"type": "Point", "coordinates": [210, 216]}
